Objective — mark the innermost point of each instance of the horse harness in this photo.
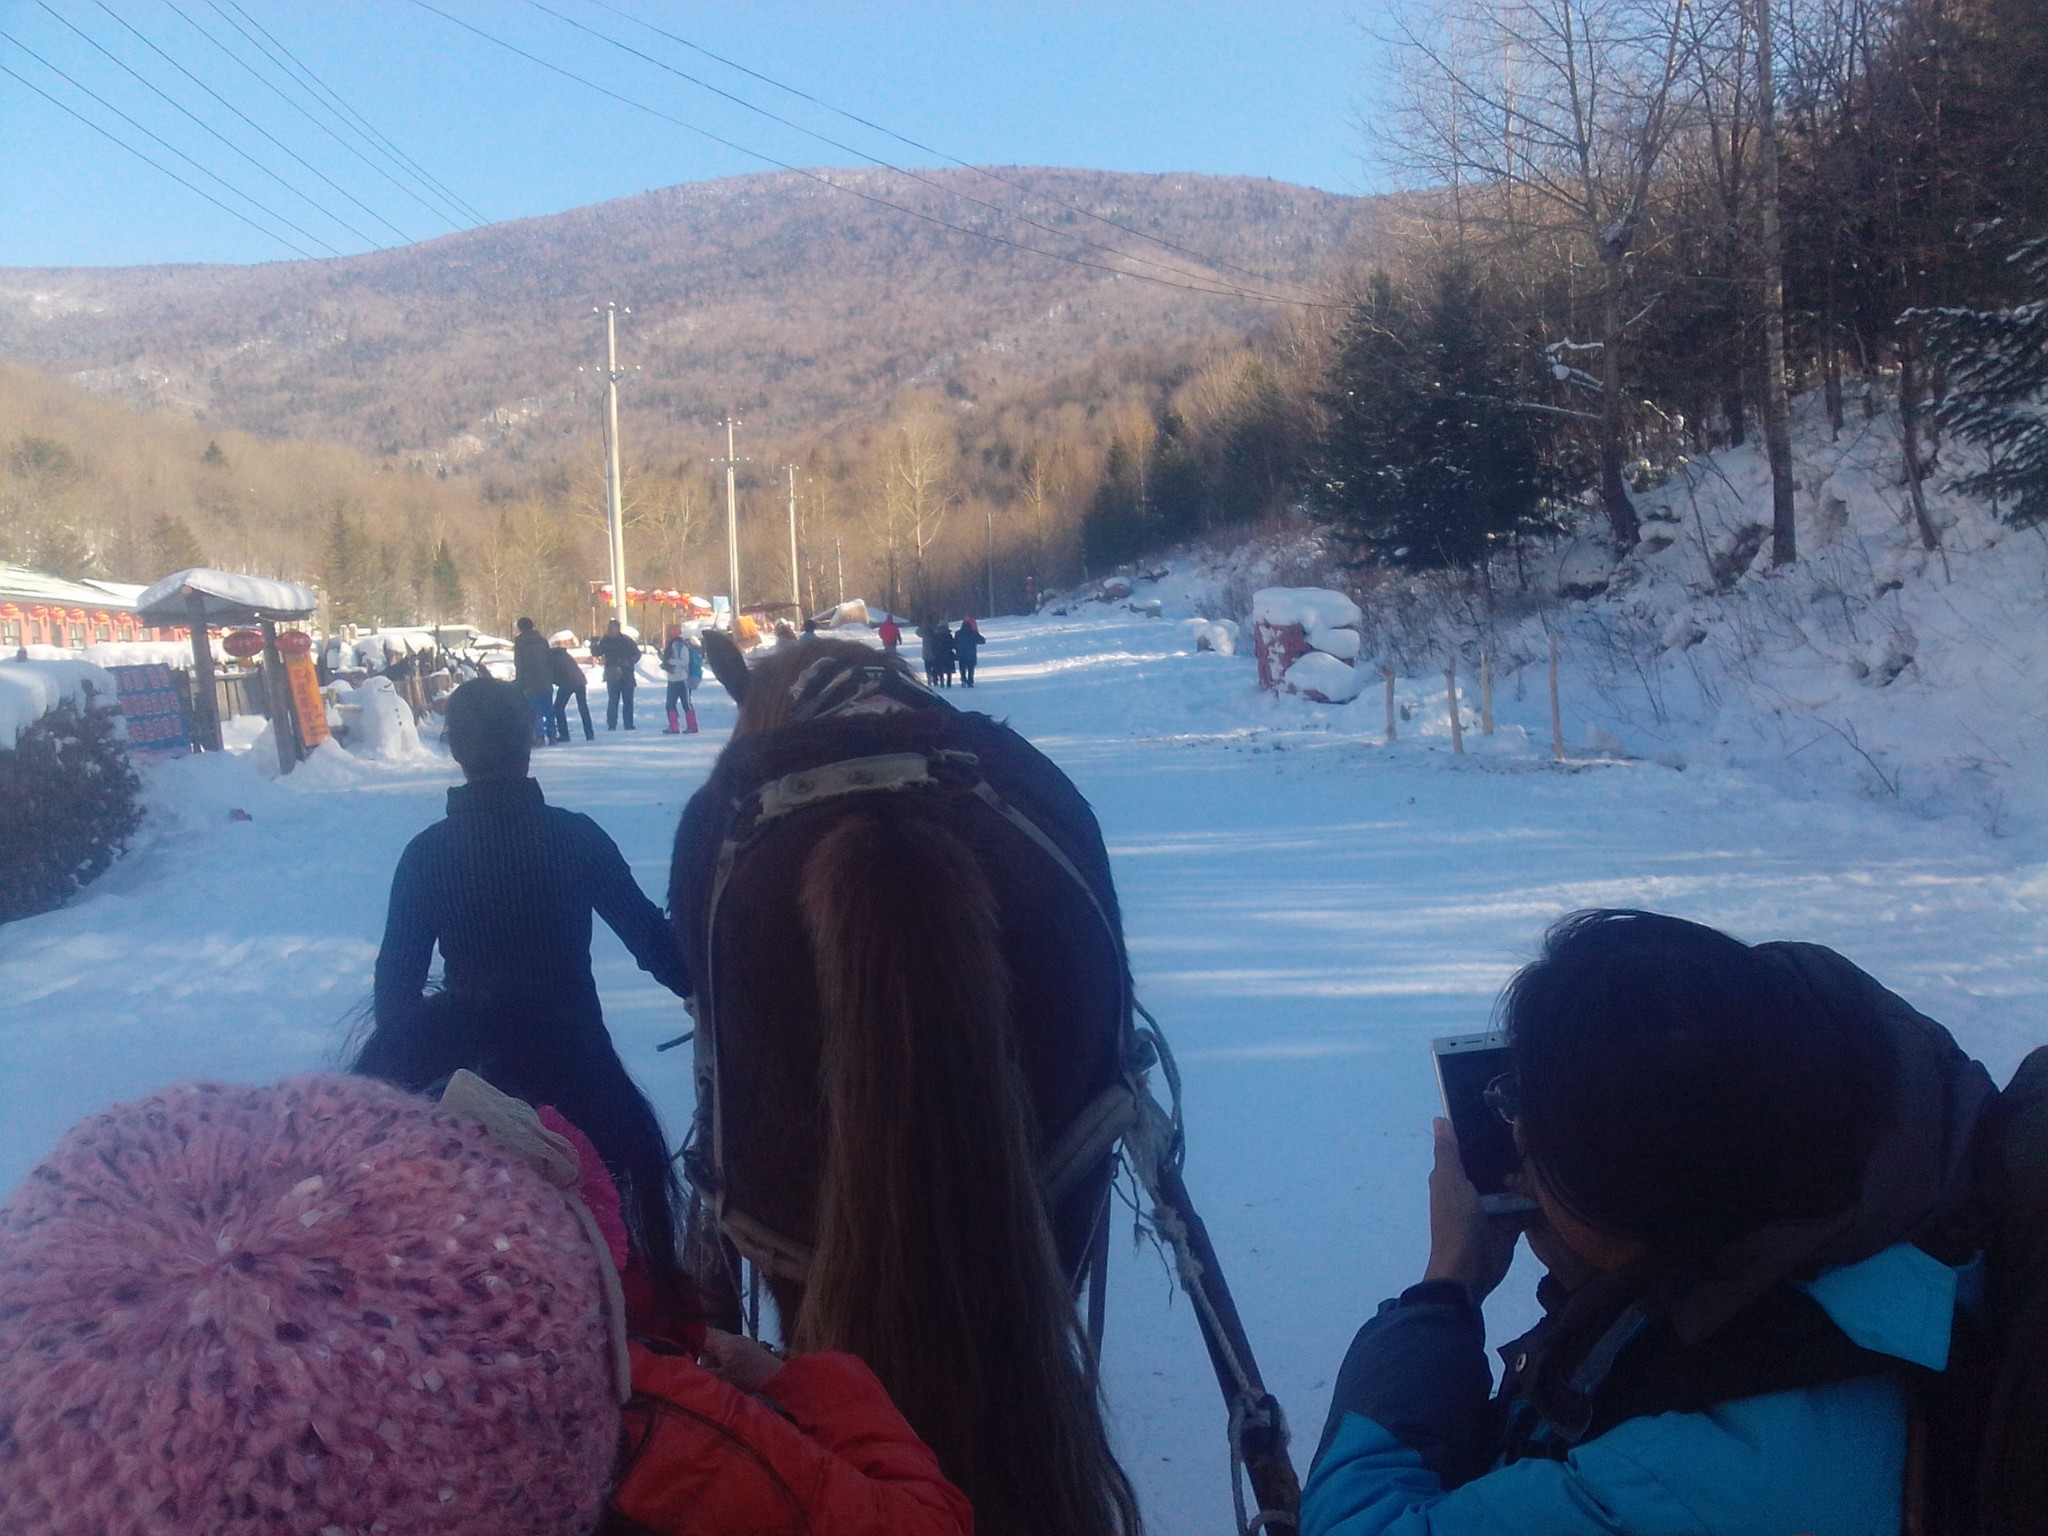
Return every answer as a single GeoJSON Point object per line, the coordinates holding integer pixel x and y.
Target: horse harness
{"type": "Point", "coordinates": [823, 691]}
{"type": "Point", "coordinates": [1126, 1112]}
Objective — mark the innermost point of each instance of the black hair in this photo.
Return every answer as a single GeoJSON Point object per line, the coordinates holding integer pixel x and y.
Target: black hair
{"type": "Point", "coordinates": [527, 1049]}
{"type": "Point", "coordinates": [525, 623]}
{"type": "Point", "coordinates": [489, 728]}
{"type": "Point", "coordinates": [1684, 1089]}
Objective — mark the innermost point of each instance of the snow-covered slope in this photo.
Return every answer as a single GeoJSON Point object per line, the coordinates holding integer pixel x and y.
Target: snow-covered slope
{"type": "Point", "coordinates": [1871, 667]}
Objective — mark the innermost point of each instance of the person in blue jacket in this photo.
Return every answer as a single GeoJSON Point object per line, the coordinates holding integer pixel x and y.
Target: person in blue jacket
{"type": "Point", "coordinates": [1751, 1164]}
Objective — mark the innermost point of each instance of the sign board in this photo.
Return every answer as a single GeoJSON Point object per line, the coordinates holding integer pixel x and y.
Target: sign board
{"type": "Point", "coordinates": [154, 708]}
{"type": "Point", "coordinates": [307, 703]}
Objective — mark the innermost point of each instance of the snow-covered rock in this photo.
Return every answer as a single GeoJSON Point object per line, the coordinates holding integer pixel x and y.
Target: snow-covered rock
{"type": "Point", "coordinates": [1313, 608]}
{"type": "Point", "coordinates": [29, 690]}
{"type": "Point", "coordinates": [1322, 677]}
{"type": "Point", "coordinates": [1340, 643]}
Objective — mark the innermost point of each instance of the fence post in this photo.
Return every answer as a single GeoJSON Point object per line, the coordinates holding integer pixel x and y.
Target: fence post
{"type": "Point", "coordinates": [1556, 719]}
{"type": "Point", "coordinates": [1457, 725]}
{"type": "Point", "coordinates": [1387, 672]}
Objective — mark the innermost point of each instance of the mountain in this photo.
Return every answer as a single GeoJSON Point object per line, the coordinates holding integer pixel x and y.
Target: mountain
{"type": "Point", "coordinates": [793, 304]}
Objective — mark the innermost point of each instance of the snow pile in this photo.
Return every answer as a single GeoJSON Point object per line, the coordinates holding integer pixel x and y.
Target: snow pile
{"type": "Point", "coordinates": [1306, 639]}
{"type": "Point", "coordinates": [29, 690]}
{"type": "Point", "coordinates": [1311, 609]}
{"type": "Point", "coordinates": [1319, 675]}
{"type": "Point", "coordinates": [1218, 635]}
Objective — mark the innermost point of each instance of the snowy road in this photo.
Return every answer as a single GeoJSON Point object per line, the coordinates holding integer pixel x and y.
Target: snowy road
{"type": "Point", "coordinates": [1305, 909]}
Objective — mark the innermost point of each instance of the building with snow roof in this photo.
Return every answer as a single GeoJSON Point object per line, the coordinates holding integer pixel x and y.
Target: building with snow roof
{"type": "Point", "coordinates": [39, 609]}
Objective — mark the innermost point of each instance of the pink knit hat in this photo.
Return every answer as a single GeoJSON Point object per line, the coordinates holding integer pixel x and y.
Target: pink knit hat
{"type": "Point", "coordinates": [322, 1308]}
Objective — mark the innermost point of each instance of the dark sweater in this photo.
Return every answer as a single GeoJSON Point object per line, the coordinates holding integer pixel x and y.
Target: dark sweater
{"type": "Point", "coordinates": [506, 885]}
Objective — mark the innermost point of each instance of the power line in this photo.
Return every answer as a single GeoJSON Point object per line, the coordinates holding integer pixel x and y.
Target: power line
{"type": "Point", "coordinates": [467, 210]}
{"type": "Point", "coordinates": [138, 154]}
{"type": "Point", "coordinates": [823, 181]}
{"type": "Point", "coordinates": [267, 134]}
{"type": "Point", "coordinates": [268, 85]}
{"type": "Point", "coordinates": [937, 186]}
{"type": "Point", "coordinates": [923, 148]}
{"type": "Point", "coordinates": [95, 44]}
{"type": "Point", "coordinates": [268, 58]}
{"type": "Point", "coordinates": [222, 181]}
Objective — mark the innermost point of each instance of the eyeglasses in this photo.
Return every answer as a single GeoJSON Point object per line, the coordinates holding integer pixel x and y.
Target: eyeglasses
{"type": "Point", "coordinates": [1503, 1097]}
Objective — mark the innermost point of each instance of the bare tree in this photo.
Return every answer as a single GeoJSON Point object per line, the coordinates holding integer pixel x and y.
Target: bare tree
{"type": "Point", "coordinates": [1566, 104]}
{"type": "Point", "coordinates": [914, 489]}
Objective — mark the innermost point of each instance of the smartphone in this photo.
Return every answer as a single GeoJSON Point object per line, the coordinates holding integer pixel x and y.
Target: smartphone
{"type": "Point", "coordinates": [1465, 1064]}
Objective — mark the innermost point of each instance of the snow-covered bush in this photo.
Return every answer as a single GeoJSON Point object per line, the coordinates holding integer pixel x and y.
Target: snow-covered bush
{"type": "Point", "coordinates": [68, 806]}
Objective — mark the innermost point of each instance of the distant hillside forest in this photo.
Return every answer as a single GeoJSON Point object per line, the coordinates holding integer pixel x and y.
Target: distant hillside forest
{"type": "Point", "coordinates": [1843, 196]}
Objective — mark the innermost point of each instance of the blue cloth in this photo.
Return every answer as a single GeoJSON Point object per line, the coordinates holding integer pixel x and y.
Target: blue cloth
{"type": "Point", "coordinates": [1411, 1401]}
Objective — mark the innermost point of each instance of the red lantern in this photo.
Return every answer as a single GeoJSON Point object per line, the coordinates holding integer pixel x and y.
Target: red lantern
{"type": "Point", "coordinates": [242, 644]}
{"type": "Point", "coordinates": [294, 642]}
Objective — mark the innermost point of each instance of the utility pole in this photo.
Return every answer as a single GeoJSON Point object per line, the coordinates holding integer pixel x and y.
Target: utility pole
{"type": "Point", "coordinates": [796, 587]}
{"type": "Point", "coordinates": [839, 565]}
{"type": "Point", "coordinates": [732, 525]}
{"type": "Point", "coordinates": [614, 497]}
{"type": "Point", "coordinates": [988, 511]}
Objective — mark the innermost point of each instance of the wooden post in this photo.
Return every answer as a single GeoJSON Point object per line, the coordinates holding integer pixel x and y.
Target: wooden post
{"type": "Point", "coordinates": [1556, 719]}
{"type": "Point", "coordinates": [1457, 725]}
{"type": "Point", "coordinates": [1387, 672]}
{"type": "Point", "coordinates": [205, 705]}
{"type": "Point", "coordinates": [1486, 693]}
{"type": "Point", "coordinates": [277, 695]}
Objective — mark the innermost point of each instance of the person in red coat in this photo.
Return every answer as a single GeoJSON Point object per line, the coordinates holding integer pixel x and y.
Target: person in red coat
{"type": "Point", "coordinates": [890, 633]}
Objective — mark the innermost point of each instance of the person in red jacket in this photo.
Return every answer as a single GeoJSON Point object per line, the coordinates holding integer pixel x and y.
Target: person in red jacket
{"type": "Point", "coordinates": [890, 633]}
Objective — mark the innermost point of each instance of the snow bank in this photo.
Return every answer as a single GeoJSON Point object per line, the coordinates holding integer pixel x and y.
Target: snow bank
{"type": "Point", "coordinates": [29, 690]}
{"type": "Point", "coordinates": [1313, 608]}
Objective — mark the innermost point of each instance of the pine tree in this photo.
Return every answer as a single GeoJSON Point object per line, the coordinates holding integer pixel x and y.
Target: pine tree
{"type": "Point", "coordinates": [1429, 455]}
{"type": "Point", "coordinates": [173, 546]}
{"type": "Point", "coordinates": [444, 585]}
{"type": "Point", "coordinates": [1996, 361]}
{"type": "Point", "coordinates": [1113, 526]}
{"type": "Point", "coordinates": [345, 570]}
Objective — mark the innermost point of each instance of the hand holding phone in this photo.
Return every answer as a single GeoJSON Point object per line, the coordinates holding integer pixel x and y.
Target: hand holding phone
{"type": "Point", "coordinates": [1466, 1067]}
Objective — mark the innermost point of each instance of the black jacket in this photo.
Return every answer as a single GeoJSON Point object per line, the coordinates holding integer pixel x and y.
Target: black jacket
{"type": "Point", "coordinates": [620, 654]}
{"type": "Point", "coordinates": [530, 661]}
{"type": "Point", "coordinates": [505, 886]}
{"type": "Point", "coordinates": [566, 671]}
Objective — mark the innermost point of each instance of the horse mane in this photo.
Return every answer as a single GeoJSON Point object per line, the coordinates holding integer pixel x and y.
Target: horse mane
{"type": "Point", "coordinates": [929, 1196]}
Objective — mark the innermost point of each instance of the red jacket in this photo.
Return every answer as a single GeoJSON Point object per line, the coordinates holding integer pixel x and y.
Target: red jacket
{"type": "Point", "coordinates": [821, 1451]}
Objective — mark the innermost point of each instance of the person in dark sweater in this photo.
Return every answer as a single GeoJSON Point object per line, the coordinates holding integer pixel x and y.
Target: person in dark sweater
{"type": "Point", "coordinates": [570, 683]}
{"type": "Point", "coordinates": [507, 883]}
{"type": "Point", "coordinates": [620, 653]}
{"type": "Point", "coordinates": [535, 678]}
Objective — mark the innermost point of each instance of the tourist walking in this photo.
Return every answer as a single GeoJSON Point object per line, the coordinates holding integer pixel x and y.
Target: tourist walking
{"type": "Point", "coordinates": [534, 674]}
{"type": "Point", "coordinates": [967, 644]}
{"type": "Point", "coordinates": [675, 662]}
{"type": "Point", "coordinates": [620, 654]}
{"type": "Point", "coordinates": [889, 633]}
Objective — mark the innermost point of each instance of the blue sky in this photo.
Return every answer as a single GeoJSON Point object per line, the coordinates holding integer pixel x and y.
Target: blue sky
{"type": "Point", "coordinates": [1249, 87]}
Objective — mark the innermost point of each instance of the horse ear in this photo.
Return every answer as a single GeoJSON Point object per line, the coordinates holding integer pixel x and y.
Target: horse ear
{"type": "Point", "coordinates": [727, 665]}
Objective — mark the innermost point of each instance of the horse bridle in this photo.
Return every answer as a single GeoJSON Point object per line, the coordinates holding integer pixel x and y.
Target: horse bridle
{"type": "Point", "coordinates": [1102, 1122]}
